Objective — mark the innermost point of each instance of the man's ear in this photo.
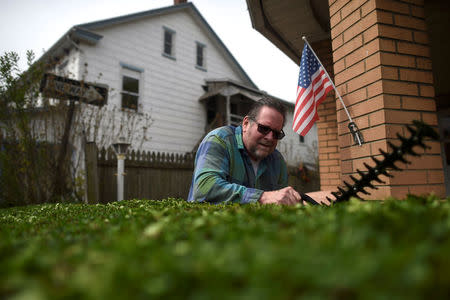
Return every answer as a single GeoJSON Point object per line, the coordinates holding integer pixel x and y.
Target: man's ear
{"type": "Point", "coordinates": [245, 123]}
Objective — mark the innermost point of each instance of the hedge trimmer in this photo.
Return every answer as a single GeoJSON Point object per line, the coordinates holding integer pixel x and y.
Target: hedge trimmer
{"type": "Point", "coordinates": [397, 153]}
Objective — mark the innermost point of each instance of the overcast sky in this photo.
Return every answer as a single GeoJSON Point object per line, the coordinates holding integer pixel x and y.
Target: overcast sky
{"type": "Point", "coordinates": [37, 24]}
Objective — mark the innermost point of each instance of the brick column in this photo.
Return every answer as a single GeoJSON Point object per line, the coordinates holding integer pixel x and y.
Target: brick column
{"type": "Point", "coordinates": [383, 71]}
{"type": "Point", "coordinates": [329, 157]}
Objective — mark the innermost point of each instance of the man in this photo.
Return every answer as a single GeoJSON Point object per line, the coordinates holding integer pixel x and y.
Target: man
{"type": "Point", "coordinates": [241, 165]}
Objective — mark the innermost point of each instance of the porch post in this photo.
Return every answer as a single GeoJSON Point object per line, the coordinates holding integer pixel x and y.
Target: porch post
{"type": "Point", "coordinates": [383, 70]}
{"type": "Point", "coordinates": [228, 103]}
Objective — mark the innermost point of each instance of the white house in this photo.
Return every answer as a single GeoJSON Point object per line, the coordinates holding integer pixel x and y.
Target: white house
{"type": "Point", "coordinates": [170, 64]}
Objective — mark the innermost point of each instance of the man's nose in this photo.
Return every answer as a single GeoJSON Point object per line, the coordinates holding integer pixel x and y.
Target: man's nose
{"type": "Point", "coordinates": [270, 136]}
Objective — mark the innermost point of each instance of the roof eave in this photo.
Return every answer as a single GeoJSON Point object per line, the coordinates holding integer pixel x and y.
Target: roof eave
{"type": "Point", "coordinates": [263, 26]}
{"type": "Point", "coordinates": [284, 22]}
{"type": "Point", "coordinates": [69, 40]}
{"type": "Point", "coordinates": [84, 35]}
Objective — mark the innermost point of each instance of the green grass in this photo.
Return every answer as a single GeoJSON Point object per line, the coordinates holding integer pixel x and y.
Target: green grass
{"type": "Point", "coordinates": [172, 249]}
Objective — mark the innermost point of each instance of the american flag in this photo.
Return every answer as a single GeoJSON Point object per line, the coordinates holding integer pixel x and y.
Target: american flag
{"type": "Point", "coordinates": [313, 86]}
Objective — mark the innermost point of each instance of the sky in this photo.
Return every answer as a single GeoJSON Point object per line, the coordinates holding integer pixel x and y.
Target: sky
{"type": "Point", "coordinates": [37, 24]}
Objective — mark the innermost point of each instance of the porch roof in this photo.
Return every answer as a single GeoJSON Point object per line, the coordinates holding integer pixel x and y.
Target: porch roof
{"type": "Point", "coordinates": [284, 22]}
{"type": "Point", "coordinates": [229, 87]}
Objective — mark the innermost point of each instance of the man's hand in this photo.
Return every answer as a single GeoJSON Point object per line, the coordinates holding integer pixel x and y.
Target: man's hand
{"type": "Point", "coordinates": [287, 196]}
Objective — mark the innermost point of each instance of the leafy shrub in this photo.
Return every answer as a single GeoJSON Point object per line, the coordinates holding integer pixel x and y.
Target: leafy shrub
{"type": "Point", "coordinates": [43, 132]}
{"type": "Point", "coordinates": [28, 169]}
{"type": "Point", "coordinates": [146, 249]}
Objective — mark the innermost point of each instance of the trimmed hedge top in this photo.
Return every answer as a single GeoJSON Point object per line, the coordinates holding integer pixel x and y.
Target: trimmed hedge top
{"type": "Point", "coordinates": [171, 248]}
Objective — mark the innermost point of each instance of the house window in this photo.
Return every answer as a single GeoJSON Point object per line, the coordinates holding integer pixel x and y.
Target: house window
{"type": "Point", "coordinates": [130, 92]}
{"type": "Point", "coordinates": [131, 78]}
{"type": "Point", "coordinates": [169, 39]}
{"type": "Point", "coordinates": [200, 56]}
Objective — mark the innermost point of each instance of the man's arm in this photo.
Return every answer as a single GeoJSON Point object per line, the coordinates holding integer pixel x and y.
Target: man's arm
{"type": "Point", "coordinates": [211, 174]}
{"type": "Point", "coordinates": [289, 196]}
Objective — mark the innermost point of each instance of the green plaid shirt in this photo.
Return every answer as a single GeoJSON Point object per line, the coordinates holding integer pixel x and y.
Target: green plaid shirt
{"type": "Point", "coordinates": [223, 171]}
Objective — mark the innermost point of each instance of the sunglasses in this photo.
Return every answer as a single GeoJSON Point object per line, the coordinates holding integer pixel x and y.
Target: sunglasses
{"type": "Point", "coordinates": [263, 129]}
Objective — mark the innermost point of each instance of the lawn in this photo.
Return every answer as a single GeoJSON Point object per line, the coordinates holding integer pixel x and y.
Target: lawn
{"type": "Point", "coordinates": [172, 249]}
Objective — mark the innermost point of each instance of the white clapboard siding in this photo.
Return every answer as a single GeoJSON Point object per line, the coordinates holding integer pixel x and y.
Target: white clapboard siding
{"type": "Point", "coordinates": [293, 150]}
{"type": "Point", "coordinates": [169, 89]}
{"type": "Point", "coordinates": [69, 66]}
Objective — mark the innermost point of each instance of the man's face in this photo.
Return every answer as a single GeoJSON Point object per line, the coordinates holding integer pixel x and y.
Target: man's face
{"type": "Point", "coordinates": [257, 144]}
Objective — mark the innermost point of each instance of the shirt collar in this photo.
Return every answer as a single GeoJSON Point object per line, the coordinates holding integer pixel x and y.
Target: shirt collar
{"type": "Point", "coordinates": [238, 136]}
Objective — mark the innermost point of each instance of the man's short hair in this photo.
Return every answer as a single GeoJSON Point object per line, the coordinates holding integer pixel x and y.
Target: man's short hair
{"type": "Point", "coordinates": [269, 102]}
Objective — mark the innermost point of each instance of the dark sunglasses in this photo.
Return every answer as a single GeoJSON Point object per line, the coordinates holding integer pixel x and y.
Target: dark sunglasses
{"type": "Point", "coordinates": [263, 129]}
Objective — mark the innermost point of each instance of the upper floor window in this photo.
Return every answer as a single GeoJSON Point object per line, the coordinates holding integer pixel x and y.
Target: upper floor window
{"type": "Point", "coordinates": [169, 41]}
{"type": "Point", "coordinates": [200, 56]}
{"type": "Point", "coordinates": [131, 81]}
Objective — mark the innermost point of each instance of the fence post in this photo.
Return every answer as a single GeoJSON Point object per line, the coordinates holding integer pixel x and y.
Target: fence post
{"type": "Point", "coordinates": [91, 172]}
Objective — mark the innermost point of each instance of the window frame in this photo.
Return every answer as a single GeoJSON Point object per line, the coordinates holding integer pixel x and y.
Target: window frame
{"type": "Point", "coordinates": [172, 33]}
{"type": "Point", "coordinates": [201, 46]}
{"type": "Point", "coordinates": [131, 72]}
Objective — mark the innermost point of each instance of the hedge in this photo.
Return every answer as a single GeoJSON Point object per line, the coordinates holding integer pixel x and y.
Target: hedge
{"type": "Point", "coordinates": [172, 249]}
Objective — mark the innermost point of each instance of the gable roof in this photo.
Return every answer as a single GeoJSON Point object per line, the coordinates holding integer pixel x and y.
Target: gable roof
{"type": "Point", "coordinates": [83, 33]}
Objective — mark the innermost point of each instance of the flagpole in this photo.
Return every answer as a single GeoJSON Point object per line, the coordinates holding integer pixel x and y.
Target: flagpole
{"type": "Point", "coordinates": [352, 126]}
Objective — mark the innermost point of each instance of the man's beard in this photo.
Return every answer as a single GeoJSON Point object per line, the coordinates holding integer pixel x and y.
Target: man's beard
{"type": "Point", "coordinates": [258, 152]}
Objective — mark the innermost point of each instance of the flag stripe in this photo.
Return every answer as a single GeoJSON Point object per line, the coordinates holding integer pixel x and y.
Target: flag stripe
{"type": "Point", "coordinates": [302, 101]}
{"type": "Point", "coordinates": [310, 116]}
{"type": "Point", "coordinates": [306, 117]}
{"type": "Point", "coordinates": [313, 86]}
{"type": "Point", "coordinates": [307, 101]}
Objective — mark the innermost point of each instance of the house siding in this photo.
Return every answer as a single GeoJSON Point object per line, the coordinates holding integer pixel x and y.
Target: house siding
{"type": "Point", "coordinates": [169, 88]}
{"type": "Point", "coordinates": [70, 65]}
{"type": "Point", "coordinates": [293, 150]}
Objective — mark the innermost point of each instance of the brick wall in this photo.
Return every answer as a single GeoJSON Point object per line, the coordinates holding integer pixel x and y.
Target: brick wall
{"type": "Point", "coordinates": [382, 69]}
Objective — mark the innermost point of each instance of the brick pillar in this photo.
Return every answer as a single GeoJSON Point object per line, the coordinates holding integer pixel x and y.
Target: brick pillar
{"type": "Point", "coordinates": [329, 157]}
{"type": "Point", "coordinates": [382, 69]}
